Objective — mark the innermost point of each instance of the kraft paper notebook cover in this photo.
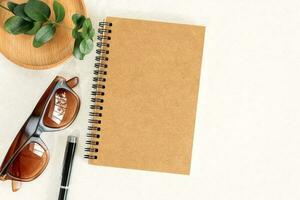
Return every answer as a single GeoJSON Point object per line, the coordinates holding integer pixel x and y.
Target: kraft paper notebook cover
{"type": "Point", "coordinates": [145, 95]}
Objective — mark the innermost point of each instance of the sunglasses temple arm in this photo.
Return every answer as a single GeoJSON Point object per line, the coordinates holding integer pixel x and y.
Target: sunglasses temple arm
{"type": "Point", "coordinates": [15, 185]}
{"type": "Point", "coordinates": [73, 82]}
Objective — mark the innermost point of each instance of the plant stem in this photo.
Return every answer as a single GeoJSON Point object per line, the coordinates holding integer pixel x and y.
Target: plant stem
{"type": "Point", "coordinates": [4, 8]}
{"type": "Point", "coordinates": [64, 26]}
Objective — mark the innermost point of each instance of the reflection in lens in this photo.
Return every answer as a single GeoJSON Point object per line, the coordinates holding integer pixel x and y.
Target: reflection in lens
{"type": "Point", "coordinates": [61, 109]}
{"type": "Point", "coordinates": [30, 162]}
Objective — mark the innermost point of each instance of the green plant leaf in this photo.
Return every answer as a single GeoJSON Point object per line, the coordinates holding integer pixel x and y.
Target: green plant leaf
{"type": "Point", "coordinates": [16, 25]}
{"type": "Point", "coordinates": [76, 50]}
{"type": "Point", "coordinates": [44, 34]}
{"type": "Point", "coordinates": [75, 18]}
{"type": "Point", "coordinates": [36, 44]}
{"type": "Point", "coordinates": [92, 33]}
{"type": "Point", "coordinates": [19, 11]}
{"type": "Point", "coordinates": [11, 6]}
{"type": "Point", "coordinates": [75, 33]}
{"type": "Point", "coordinates": [87, 28]}
{"type": "Point", "coordinates": [37, 10]}
{"type": "Point", "coordinates": [87, 24]}
{"type": "Point", "coordinates": [59, 11]}
{"type": "Point", "coordinates": [35, 28]}
{"type": "Point", "coordinates": [86, 46]}
{"type": "Point", "coordinates": [77, 53]}
{"type": "Point", "coordinates": [78, 20]}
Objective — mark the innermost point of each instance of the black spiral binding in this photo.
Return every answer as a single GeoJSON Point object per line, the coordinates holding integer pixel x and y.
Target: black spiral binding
{"type": "Point", "coordinates": [98, 90]}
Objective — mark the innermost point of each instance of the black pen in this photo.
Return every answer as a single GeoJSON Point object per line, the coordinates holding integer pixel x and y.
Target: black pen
{"type": "Point", "coordinates": [67, 167]}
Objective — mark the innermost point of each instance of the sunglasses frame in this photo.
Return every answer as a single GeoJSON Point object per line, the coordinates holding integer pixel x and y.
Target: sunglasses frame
{"type": "Point", "coordinates": [34, 127]}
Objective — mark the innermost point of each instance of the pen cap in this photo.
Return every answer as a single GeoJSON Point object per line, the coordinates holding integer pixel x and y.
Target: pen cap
{"type": "Point", "coordinates": [72, 139]}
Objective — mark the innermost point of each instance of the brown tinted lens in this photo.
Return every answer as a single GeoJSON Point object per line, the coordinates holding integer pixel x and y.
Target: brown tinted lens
{"type": "Point", "coordinates": [61, 110]}
{"type": "Point", "coordinates": [30, 162]}
{"type": "Point", "coordinates": [19, 140]}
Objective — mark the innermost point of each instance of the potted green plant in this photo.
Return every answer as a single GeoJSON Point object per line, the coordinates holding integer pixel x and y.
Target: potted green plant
{"type": "Point", "coordinates": [33, 18]}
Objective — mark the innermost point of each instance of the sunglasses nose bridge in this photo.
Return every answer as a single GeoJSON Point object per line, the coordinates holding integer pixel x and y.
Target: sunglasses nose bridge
{"type": "Point", "coordinates": [32, 126]}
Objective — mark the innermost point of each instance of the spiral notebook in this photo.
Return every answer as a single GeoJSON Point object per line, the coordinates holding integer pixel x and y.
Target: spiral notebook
{"type": "Point", "coordinates": [144, 95]}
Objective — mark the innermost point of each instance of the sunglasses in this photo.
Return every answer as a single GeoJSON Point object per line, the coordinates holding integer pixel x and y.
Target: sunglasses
{"type": "Point", "coordinates": [28, 155]}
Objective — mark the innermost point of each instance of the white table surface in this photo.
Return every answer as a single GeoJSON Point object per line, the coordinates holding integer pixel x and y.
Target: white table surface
{"type": "Point", "coordinates": [247, 136]}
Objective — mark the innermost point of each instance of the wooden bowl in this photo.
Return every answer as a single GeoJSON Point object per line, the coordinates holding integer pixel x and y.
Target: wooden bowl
{"type": "Point", "coordinates": [19, 48]}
